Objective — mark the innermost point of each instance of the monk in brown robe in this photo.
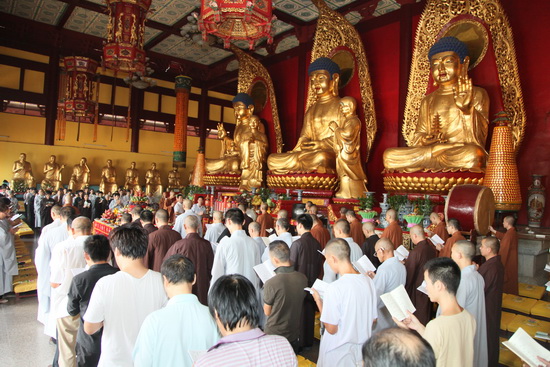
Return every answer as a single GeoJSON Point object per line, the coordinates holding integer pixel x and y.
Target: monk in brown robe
{"type": "Point", "coordinates": [509, 254]}
{"type": "Point", "coordinates": [393, 231]}
{"type": "Point", "coordinates": [169, 203]}
{"type": "Point", "coordinates": [199, 251]}
{"type": "Point", "coordinates": [453, 227]}
{"type": "Point", "coordinates": [492, 272]}
{"type": "Point", "coordinates": [422, 252]}
{"type": "Point", "coordinates": [266, 221]}
{"type": "Point", "coordinates": [304, 254]}
{"type": "Point", "coordinates": [440, 227]}
{"type": "Point", "coordinates": [160, 241]}
{"type": "Point", "coordinates": [368, 246]}
{"type": "Point", "coordinates": [319, 232]}
{"type": "Point", "coordinates": [356, 227]}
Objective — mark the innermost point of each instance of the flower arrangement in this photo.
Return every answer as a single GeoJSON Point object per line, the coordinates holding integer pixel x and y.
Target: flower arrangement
{"type": "Point", "coordinates": [138, 198]}
{"type": "Point", "coordinates": [110, 215]}
{"type": "Point", "coordinates": [19, 186]}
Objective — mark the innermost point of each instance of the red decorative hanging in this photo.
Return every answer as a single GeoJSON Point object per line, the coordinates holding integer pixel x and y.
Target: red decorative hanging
{"type": "Point", "coordinates": [79, 101]}
{"type": "Point", "coordinates": [247, 20]}
{"type": "Point", "coordinates": [123, 50]}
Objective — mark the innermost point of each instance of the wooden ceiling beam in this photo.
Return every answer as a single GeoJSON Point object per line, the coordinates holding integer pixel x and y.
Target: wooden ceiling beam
{"type": "Point", "coordinates": [66, 15]}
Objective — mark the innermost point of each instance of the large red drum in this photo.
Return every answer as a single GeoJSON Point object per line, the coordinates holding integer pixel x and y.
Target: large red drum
{"type": "Point", "coordinates": [473, 206]}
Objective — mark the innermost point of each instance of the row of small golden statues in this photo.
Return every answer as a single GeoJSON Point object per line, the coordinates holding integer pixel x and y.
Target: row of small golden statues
{"type": "Point", "coordinates": [80, 176]}
{"type": "Point", "coordinates": [450, 133]}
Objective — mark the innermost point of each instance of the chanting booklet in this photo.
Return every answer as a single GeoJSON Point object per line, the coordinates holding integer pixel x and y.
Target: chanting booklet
{"type": "Point", "coordinates": [265, 270]}
{"type": "Point", "coordinates": [527, 348]}
{"type": "Point", "coordinates": [401, 253]}
{"type": "Point", "coordinates": [398, 303]}
{"type": "Point", "coordinates": [437, 240]}
{"type": "Point", "coordinates": [319, 286]}
{"type": "Point", "coordinates": [364, 265]}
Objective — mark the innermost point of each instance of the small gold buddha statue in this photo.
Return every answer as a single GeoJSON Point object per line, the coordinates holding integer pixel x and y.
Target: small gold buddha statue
{"type": "Point", "coordinates": [453, 120]}
{"type": "Point", "coordinates": [153, 182]}
{"type": "Point", "coordinates": [254, 143]}
{"type": "Point", "coordinates": [229, 156]}
{"type": "Point", "coordinates": [22, 172]}
{"type": "Point", "coordinates": [314, 151]}
{"type": "Point", "coordinates": [131, 181]}
{"type": "Point", "coordinates": [80, 178]}
{"type": "Point", "coordinates": [348, 155]}
{"type": "Point", "coordinates": [52, 174]}
{"type": "Point", "coordinates": [174, 179]}
{"type": "Point", "coordinates": [108, 178]}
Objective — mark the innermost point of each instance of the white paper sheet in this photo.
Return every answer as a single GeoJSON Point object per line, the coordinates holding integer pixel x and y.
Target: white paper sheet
{"type": "Point", "coordinates": [401, 253]}
{"type": "Point", "coordinates": [398, 303]}
{"type": "Point", "coordinates": [526, 348]}
{"type": "Point", "coordinates": [363, 265]}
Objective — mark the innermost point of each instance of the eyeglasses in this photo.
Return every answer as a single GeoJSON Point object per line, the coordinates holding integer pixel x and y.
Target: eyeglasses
{"type": "Point", "coordinates": [376, 251]}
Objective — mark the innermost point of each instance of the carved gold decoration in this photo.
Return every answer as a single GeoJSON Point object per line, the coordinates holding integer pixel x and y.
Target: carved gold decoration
{"type": "Point", "coordinates": [333, 31]}
{"type": "Point", "coordinates": [222, 180]}
{"type": "Point", "coordinates": [397, 182]}
{"type": "Point", "coordinates": [436, 15]}
{"type": "Point", "coordinates": [328, 182]}
{"type": "Point", "coordinates": [250, 70]}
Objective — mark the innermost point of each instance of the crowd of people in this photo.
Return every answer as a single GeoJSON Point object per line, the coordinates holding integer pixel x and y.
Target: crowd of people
{"type": "Point", "coordinates": [156, 294]}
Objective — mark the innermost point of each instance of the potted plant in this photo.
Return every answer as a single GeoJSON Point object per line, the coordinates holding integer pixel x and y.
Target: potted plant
{"type": "Point", "coordinates": [366, 204]}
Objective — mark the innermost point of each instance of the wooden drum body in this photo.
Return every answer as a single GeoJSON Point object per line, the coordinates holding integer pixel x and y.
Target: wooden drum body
{"type": "Point", "coordinates": [473, 206]}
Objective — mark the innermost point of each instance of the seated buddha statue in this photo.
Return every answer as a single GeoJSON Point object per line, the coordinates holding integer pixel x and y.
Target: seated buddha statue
{"type": "Point", "coordinates": [52, 174]}
{"type": "Point", "coordinates": [452, 124]}
{"type": "Point", "coordinates": [131, 181]}
{"type": "Point", "coordinates": [314, 151]}
{"type": "Point", "coordinates": [80, 178]}
{"type": "Point", "coordinates": [229, 156]}
{"type": "Point", "coordinates": [108, 178]}
{"type": "Point", "coordinates": [174, 179]}
{"type": "Point", "coordinates": [153, 182]}
{"type": "Point", "coordinates": [22, 172]}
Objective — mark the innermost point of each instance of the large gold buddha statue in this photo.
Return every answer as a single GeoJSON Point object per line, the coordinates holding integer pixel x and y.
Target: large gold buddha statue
{"type": "Point", "coordinates": [453, 120]}
{"type": "Point", "coordinates": [314, 151]}
{"type": "Point", "coordinates": [22, 172]}
{"type": "Point", "coordinates": [52, 174]}
{"type": "Point", "coordinates": [108, 178]}
{"type": "Point", "coordinates": [153, 182]}
{"type": "Point", "coordinates": [80, 178]}
{"type": "Point", "coordinates": [246, 153]}
{"type": "Point", "coordinates": [131, 180]}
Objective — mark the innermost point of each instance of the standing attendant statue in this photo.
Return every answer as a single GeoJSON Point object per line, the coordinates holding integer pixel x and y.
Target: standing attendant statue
{"type": "Point", "coordinates": [131, 181]}
{"type": "Point", "coordinates": [153, 182]}
{"type": "Point", "coordinates": [174, 179]}
{"type": "Point", "coordinates": [52, 174]}
{"type": "Point", "coordinates": [80, 178]}
{"type": "Point", "coordinates": [108, 178]}
{"type": "Point", "coordinates": [22, 173]}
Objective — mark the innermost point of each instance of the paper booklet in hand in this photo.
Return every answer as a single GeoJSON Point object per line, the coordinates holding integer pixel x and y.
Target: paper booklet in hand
{"type": "Point", "coordinates": [437, 240]}
{"type": "Point", "coordinates": [398, 303]}
{"type": "Point", "coordinates": [401, 253]}
{"type": "Point", "coordinates": [422, 288]}
{"type": "Point", "coordinates": [363, 265]}
{"type": "Point", "coordinates": [265, 271]}
{"type": "Point", "coordinates": [527, 348]}
{"type": "Point", "coordinates": [320, 286]}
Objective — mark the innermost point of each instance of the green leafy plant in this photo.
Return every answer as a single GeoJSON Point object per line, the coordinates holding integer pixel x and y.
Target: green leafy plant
{"type": "Point", "coordinates": [423, 206]}
{"type": "Point", "coordinates": [367, 203]}
{"type": "Point", "coordinates": [397, 201]}
{"type": "Point", "coordinates": [265, 193]}
{"type": "Point", "coordinates": [190, 191]}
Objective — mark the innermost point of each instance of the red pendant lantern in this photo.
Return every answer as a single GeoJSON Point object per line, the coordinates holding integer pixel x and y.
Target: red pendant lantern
{"type": "Point", "coordinates": [247, 20]}
{"type": "Point", "coordinates": [79, 98]}
{"type": "Point", "coordinates": [123, 50]}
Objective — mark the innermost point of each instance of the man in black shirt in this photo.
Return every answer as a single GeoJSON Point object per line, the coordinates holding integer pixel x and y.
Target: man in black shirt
{"type": "Point", "coordinates": [96, 252]}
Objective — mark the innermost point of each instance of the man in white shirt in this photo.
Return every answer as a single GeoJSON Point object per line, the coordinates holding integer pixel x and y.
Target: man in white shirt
{"type": "Point", "coordinates": [178, 225]}
{"type": "Point", "coordinates": [237, 254]}
{"type": "Point", "coordinates": [178, 206]}
{"type": "Point", "coordinates": [254, 229]}
{"type": "Point", "coordinates": [116, 203]}
{"type": "Point", "coordinates": [199, 207]}
{"type": "Point", "coordinates": [390, 274]}
{"type": "Point", "coordinates": [55, 213]}
{"type": "Point", "coordinates": [121, 302]}
{"type": "Point", "coordinates": [342, 230]}
{"type": "Point", "coordinates": [49, 238]}
{"type": "Point", "coordinates": [66, 256]}
{"type": "Point", "coordinates": [214, 230]}
{"type": "Point", "coordinates": [282, 233]}
{"type": "Point", "coordinates": [161, 340]}
{"type": "Point", "coordinates": [471, 296]}
{"type": "Point", "coordinates": [348, 309]}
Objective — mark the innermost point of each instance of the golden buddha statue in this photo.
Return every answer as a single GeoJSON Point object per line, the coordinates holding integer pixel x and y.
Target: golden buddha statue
{"type": "Point", "coordinates": [131, 181]}
{"type": "Point", "coordinates": [153, 182]}
{"type": "Point", "coordinates": [108, 178]}
{"type": "Point", "coordinates": [174, 179]}
{"type": "Point", "coordinates": [247, 152]}
{"type": "Point", "coordinates": [52, 174]}
{"type": "Point", "coordinates": [314, 151]}
{"type": "Point", "coordinates": [22, 173]}
{"type": "Point", "coordinates": [348, 156]}
{"type": "Point", "coordinates": [453, 120]}
{"type": "Point", "coordinates": [80, 178]}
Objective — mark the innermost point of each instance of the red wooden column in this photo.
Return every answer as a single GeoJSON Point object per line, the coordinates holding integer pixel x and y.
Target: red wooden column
{"type": "Point", "coordinates": [183, 88]}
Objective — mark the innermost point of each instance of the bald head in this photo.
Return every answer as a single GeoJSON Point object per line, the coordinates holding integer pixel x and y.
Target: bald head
{"type": "Point", "coordinates": [313, 209]}
{"type": "Point", "coordinates": [191, 223]}
{"type": "Point", "coordinates": [466, 248]}
{"type": "Point", "coordinates": [510, 221]}
{"type": "Point", "coordinates": [254, 228]}
{"type": "Point", "coordinates": [384, 243]}
{"type": "Point", "coordinates": [217, 216]}
{"type": "Point", "coordinates": [342, 228]}
{"type": "Point", "coordinates": [282, 214]}
{"type": "Point", "coordinates": [417, 234]}
{"type": "Point", "coordinates": [161, 217]}
{"type": "Point", "coordinates": [81, 226]}
{"type": "Point", "coordinates": [187, 204]}
{"type": "Point", "coordinates": [338, 248]}
{"type": "Point", "coordinates": [492, 243]}
{"type": "Point", "coordinates": [391, 215]}
{"type": "Point", "coordinates": [434, 218]}
{"type": "Point", "coordinates": [368, 227]}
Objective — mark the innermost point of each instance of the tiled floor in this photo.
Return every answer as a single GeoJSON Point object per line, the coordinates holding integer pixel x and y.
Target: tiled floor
{"type": "Point", "coordinates": [22, 339]}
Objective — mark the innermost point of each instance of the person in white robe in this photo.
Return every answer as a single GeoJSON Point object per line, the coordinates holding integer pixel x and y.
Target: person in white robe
{"type": "Point", "coordinates": [37, 201]}
{"type": "Point", "coordinates": [282, 233]}
{"type": "Point", "coordinates": [55, 213]}
{"type": "Point", "coordinates": [237, 254]}
{"type": "Point", "coordinates": [348, 310]}
{"type": "Point", "coordinates": [389, 275]}
{"type": "Point", "coordinates": [214, 230]}
{"type": "Point", "coordinates": [178, 225]}
{"type": "Point", "coordinates": [342, 230]}
{"type": "Point", "coordinates": [471, 296]}
{"type": "Point", "coordinates": [8, 261]}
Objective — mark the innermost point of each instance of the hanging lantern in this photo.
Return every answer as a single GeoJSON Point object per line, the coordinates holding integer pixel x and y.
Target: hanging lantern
{"type": "Point", "coordinates": [247, 20]}
{"type": "Point", "coordinates": [123, 50]}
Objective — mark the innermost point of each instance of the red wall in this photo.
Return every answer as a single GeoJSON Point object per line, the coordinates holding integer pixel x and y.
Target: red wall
{"type": "Point", "coordinates": [530, 23]}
